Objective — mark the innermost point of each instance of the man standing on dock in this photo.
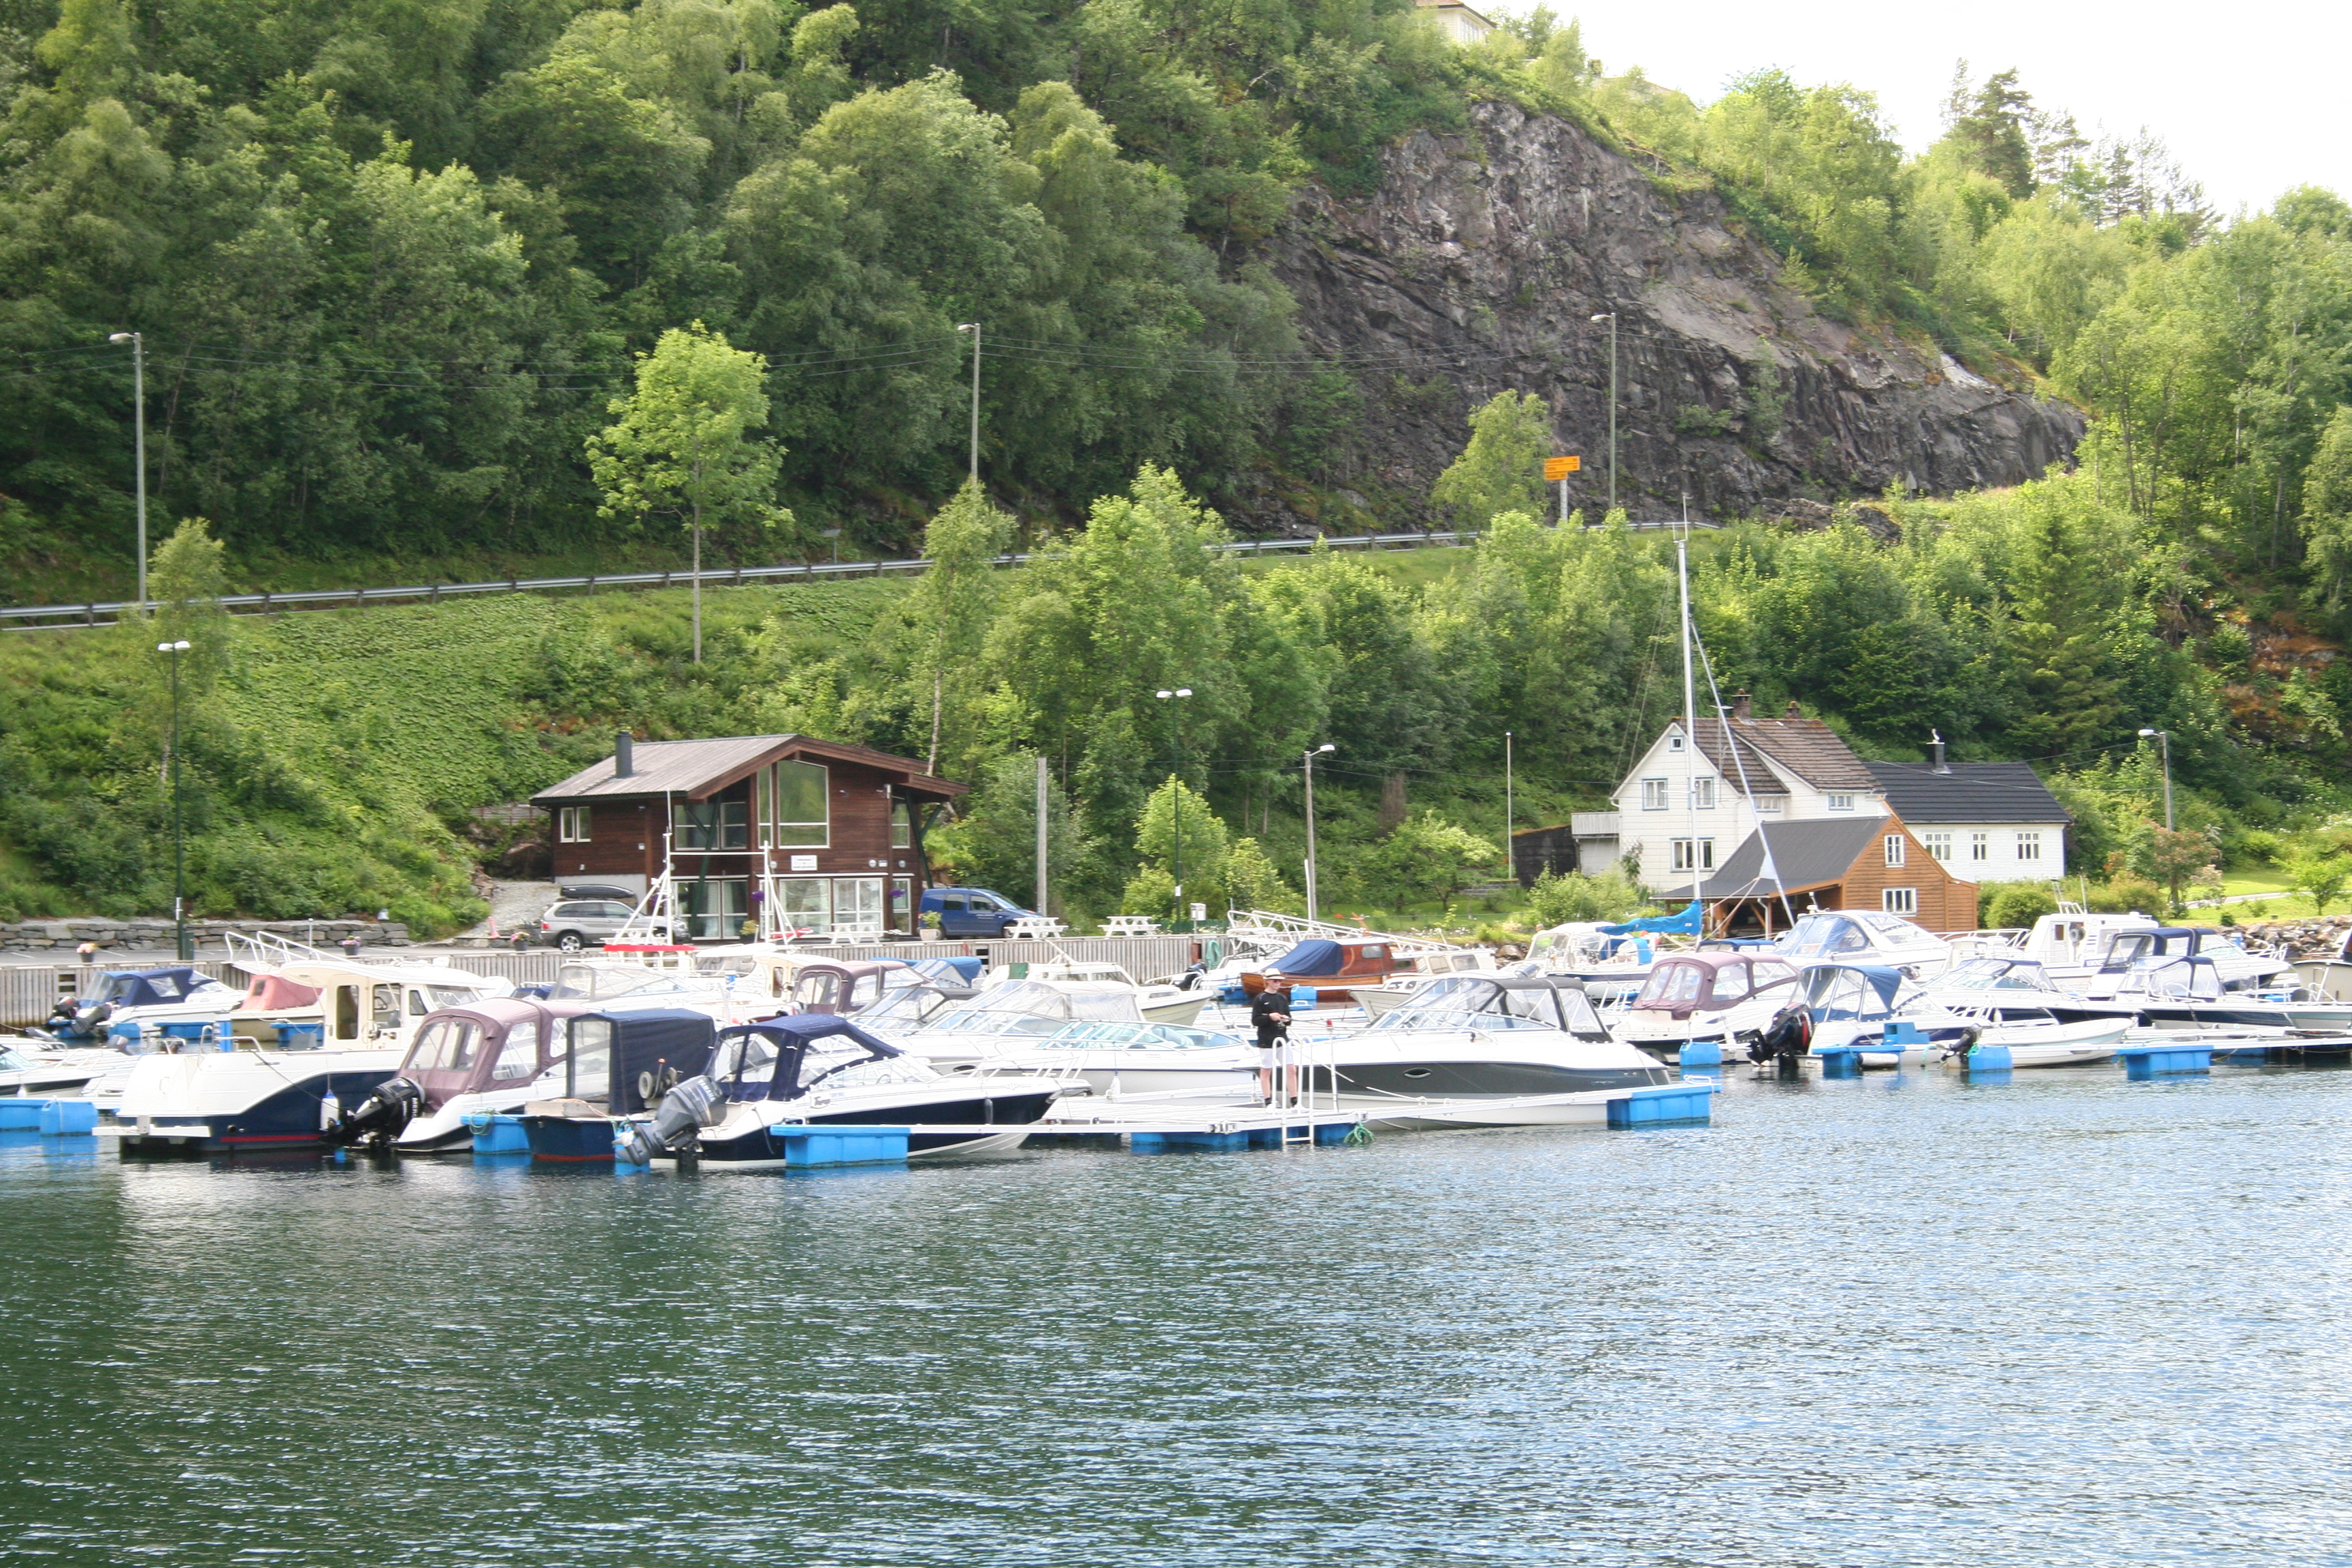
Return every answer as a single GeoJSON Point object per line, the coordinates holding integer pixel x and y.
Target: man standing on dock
{"type": "Point", "coordinates": [1270, 1012]}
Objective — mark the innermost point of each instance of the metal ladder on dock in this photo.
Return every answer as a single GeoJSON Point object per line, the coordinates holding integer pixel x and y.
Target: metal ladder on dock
{"type": "Point", "coordinates": [1297, 1103]}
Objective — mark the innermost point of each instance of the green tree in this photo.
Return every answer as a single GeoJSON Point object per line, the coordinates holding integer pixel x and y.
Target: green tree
{"type": "Point", "coordinates": [1558, 898]}
{"type": "Point", "coordinates": [2321, 875]}
{"type": "Point", "coordinates": [1427, 857]}
{"type": "Point", "coordinates": [1252, 882]}
{"type": "Point", "coordinates": [1177, 827]}
{"type": "Point", "coordinates": [2327, 509]}
{"type": "Point", "coordinates": [950, 608]}
{"type": "Point", "coordinates": [681, 442]}
{"type": "Point", "coordinates": [1502, 468]}
{"type": "Point", "coordinates": [188, 577]}
{"type": "Point", "coordinates": [2174, 858]}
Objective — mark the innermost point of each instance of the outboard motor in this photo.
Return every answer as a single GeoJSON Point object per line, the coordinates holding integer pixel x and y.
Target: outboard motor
{"type": "Point", "coordinates": [682, 1114]}
{"type": "Point", "coordinates": [381, 1117]}
{"type": "Point", "coordinates": [1959, 1050]}
{"type": "Point", "coordinates": [74, 1018]}
{"type": "Point", "coordinates": [1789, 1037]}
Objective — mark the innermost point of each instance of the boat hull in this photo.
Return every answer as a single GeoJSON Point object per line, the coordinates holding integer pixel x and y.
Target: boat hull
{"type": "Point", "coordinates": [974, 1124]}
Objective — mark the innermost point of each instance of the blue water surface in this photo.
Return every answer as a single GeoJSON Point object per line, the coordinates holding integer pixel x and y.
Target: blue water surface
{"type": "Point", "coordinates": [1902, 1320]}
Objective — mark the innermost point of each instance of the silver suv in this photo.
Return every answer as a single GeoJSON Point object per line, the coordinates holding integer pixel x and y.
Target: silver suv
{"type": "Point", "coordinates": [577, 923]}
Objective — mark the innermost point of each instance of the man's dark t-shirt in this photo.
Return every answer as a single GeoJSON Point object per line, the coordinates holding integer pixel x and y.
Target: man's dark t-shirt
{"type": "Point", "coordinates": [1264, 1010]}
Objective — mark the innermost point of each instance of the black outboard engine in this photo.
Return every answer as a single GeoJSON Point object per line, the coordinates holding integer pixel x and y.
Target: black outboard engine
{"type": "Point", "coordinates": [77, 1019]}
{"type": "Point", "coordinates": [381, 1117]}
{"type": "Point", "coordinates": [1789, 1037]}
{"type": "Point", "coordinates": [683, 1113]}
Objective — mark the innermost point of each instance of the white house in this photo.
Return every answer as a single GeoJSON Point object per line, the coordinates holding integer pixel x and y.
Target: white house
{"type": "Point", "coordinates": [1457, 21]}
{"type": "Point", "coordinates": [1987, 822]}
{"type": "Point", "coordinates": [1684, 809]}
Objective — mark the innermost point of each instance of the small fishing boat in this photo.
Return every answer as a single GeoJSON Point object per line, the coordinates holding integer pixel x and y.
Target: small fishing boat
{"type": "Point", "coordinates": [614, 1067]}
{"type": "Point", "coordinates": [820, 1069]}
{"type": "Point", "coordinates": [1731, 997]}
{"type": "Point", "coordinates": [174, 1000]}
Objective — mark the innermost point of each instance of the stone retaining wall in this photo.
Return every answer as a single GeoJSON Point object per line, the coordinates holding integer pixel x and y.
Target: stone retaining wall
{"type": "Point", "coordinates": [150, 935]}
{"type": "Point", "coordinates": [2302, 939]}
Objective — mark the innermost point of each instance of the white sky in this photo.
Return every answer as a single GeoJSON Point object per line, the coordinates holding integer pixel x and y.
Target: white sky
{"type": "Point", "coordinates": [2250, 98]}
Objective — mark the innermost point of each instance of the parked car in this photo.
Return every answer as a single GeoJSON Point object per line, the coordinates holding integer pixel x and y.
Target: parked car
{"type": "Point", "coordinates": [972, 911]}
{"type": "Point", "coordinates": [579, 923]}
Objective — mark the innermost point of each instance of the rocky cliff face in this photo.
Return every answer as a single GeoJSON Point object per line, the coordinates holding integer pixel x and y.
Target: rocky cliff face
{"type": "Point", "coordinates": [1478, 266]}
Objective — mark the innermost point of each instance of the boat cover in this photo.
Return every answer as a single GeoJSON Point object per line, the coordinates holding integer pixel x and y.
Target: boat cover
{"type": "Point", "coordinates": [791, 1037]}
{"type": "Point", "coordinates": [1686, 923]}
{"type": "Point", "coordinates": [1309, 958]}
{"type": "Point", "coordinates": [150, 988]}
{"type": "Point", "coordinates": [275, 993]}
{"type": "Point", "coordinates": [643, 1044]}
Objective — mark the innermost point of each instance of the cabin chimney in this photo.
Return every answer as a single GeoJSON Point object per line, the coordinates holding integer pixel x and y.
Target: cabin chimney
{"type": "Point", "coordinates": [624, 762]}
{"type": "Point", "coordinates": [1740, 706]}
{"type": "Point", "coordinates": [1935, 747]}
{"type": "Point", "coordinates": [1793, 712]}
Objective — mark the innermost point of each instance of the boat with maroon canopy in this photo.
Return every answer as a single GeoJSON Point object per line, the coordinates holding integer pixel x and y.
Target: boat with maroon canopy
{"type": "Point", "coordinates": [614, 1066]}
{"type": "Point", "coordinates": [481, 1058]}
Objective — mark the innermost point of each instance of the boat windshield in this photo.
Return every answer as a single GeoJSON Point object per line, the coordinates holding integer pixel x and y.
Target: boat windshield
{"type": "Point", "coordinates": [1097, 1037]}
{"type": "Point", "coordinates": [1672, 985]}
{"type": "Point", "coordinates": [1463, 1003]}
{"type": "Point", "coordinates": [424, 999]}
{"type": "Point", "coordinates": [1992, 974]}
{"type": "Point", "coordinates": [742, 1064]}
{"type": "Point", "coordinates": [907, 1007]}
{"type": "Point", "coordinates": [981, 1021]}
{"type": "Point", "coordinates": [11, 1062]}
{"type": "Point", "coordinates": [850, 1065]}
{"type": "Point", "coordinates": [1058, 1002]}
{"type": "Point", "coordinates": [1817, 937]}
{"type": "Point", "coordinates": [599, 981]}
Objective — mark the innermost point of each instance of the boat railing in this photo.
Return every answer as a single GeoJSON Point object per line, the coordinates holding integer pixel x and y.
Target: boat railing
{"type": "Point", "coordinates": [1272, 927]}
{"type": "Point", "coordinates": [268, 950]}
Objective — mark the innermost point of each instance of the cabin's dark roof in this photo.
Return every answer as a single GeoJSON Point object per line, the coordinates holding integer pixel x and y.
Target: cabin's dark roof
{"type": "Point", "coordinates": [1805, 747]}
{"type": "Point", "coordinates": [697, 769]}
{"type": "Point", "coordinates": [1970, 792]}
{"type": "Point", "coordinates": [1807, 853]}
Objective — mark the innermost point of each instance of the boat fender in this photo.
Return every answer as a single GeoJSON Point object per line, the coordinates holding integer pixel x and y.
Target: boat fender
{"type": "Point", "coordinates": [330, 1111]}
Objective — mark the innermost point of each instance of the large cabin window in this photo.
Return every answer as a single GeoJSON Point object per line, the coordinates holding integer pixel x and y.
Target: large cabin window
{"type": "Point", "coordinates": [803, 805]}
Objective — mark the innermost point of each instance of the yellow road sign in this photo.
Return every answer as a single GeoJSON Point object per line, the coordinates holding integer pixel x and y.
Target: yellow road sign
{"type": "Point", "coordinates": [1561, 468]}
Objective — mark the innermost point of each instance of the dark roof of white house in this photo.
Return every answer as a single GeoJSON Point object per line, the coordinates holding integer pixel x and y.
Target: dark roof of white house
{"type": "Point", "coordinates": [1806, 852]}
{"type": "Point", "coordinates": [1805, 747]}
{"type": "Point", "coordinates": [1969, 792]}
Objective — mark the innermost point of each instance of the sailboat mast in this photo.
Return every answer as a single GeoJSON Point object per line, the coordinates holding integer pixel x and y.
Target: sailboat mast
{"type": "Point", "coordinates": [1690, 704]}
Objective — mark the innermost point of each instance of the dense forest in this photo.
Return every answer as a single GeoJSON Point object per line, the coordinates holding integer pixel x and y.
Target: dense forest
{"type": "Point", "coordinates": [404, 276]}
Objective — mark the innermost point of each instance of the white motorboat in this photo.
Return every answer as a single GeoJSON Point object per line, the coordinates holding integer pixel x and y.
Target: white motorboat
{"type": "Point", "coordinates": [2044, 1041]}
{"type": "Point", "coordinates": [2193, 990]}
{"type": "Point", "coordinates": [1864, 936]}
{"type": "Point", "coordinates": [1160, 1003]}
{"type": "Point", "coordinates": [33, 1066]}
{"type": "Point", "coordinates": [1401, 989]}
{"type": "Point", "coordinates": [1727, 996]}
{"type": "Point", "coordinates": [1855, 1005]}
{"type": "Point", "coordinates": [1480, 1050]}
{"type": "Point", "coordinates": [346, 1003]}
{"type": "Point", "coordinates": [175, 1002]}
{"type": "Point", "coordinates": [815, 1069]}
{"type": "Point", "coordinates": [1096, 1033]}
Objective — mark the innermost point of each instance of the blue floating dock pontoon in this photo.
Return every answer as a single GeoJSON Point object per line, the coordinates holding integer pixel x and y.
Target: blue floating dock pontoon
{"type": "Point", "coordinates": [500, 1135]}
{"type": "Point", "coordinates": [58, 1117]}
{"type": "Point", "coordinates": [1664, 1105]}
{"type": "Point", "coordinates": [2169, 1061]}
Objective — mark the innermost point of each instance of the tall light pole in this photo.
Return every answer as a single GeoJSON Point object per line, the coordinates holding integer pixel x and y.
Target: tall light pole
{"type": "Point", "coordinates": [1610, 317]}
{"type": "Point", "coordinates": [1308, 758]}
{"type": "Point", "coordinates": [139, 442]}
{"type": "Point", "coordinates": [1176, 797]}
{"type": "Point", "coordinates": [1041, 819]}
{"type": "Point", "coordinates": [973, 328]}
{"type": "Point", "coordinates": [1510, 818]}
{"type": "Point", "coordinates": [2164, 739]}
{"type": "Point", "coordinates": [179, 839]}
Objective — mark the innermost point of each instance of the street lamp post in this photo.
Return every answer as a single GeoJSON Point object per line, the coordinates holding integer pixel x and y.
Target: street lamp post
{"type": "Point", "coordinates": [1309, 758]}
{"type": "Point", "coordinates": [1176, 797]}
{"type": "Point", "coordinates": [139, 444]}
{"type": "Point", "coordinates": [2164, 739]}
{"type": "Point", "coordinates": [1510, 817]}
{"type": "Point", "coordinates": [179, 839]}
{"type": "Point", "coordinates": [1610, 317]}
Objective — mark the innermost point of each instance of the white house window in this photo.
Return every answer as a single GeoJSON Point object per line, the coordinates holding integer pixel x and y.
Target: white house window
{"type": "Point", "coordinates": [1653, 794]}
{"type": "Point", "coordinates": [1940, 845]}
{"type": "Point", "coordinates": [1841, 803]}
{"type": "Point", "coordinates": [1771, 804]}
{"type": "Point", "coordinates": [571, 824]}
{"type": "Point", "coordinates": [1979, 846]}
{"type": "Point", "coordinates": [2029, 847]}
{"type": "Point", "coordinates": [1683, 855]}
{"type": "Point", "coordinates": [1894, 849]}
{"type": "Point", "coordinates": [1899, 901]}
{"type": "Point", "coordinates": [1703, 794]}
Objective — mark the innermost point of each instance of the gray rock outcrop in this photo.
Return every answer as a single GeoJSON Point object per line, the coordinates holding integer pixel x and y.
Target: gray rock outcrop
{"type": "Point", "coordinates": [1476, 267]}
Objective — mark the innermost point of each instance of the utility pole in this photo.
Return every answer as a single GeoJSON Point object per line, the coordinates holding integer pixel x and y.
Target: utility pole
{"type": "Point", "coordinates": [973, 328]}
{"type": "Point", "coordinates": [2164, 739]}
{"type": "Point", "coordinates": [1510, 818]}
{"type": "Point", "coordinates": [139, 442]}
{"type": "Point", "coordinates": [1041, 835]}
{"type": "Point", "coordinates": [1610, 317]}
{"type": "Point", "coordinates": [179, 838]}
{"type": "Point", "coordinates": [1308, 759]}
{"type": "Point", "coordinates": [1176, 797]}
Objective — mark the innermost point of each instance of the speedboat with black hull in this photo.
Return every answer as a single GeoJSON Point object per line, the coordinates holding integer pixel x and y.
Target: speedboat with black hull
{"type": "Point", "coordinates": [615, 1066]}
{"type": "Point", "coordinates": [1490, 1050]}
{"type": "Point", "coordinates": [1729, 997]}
{"type": "Point", "coordinates": [2194, 991]}
{"type": "Point", "coordinates": [2233, 967]}
{"type": "Point", "coordinates": [818, 1069]}
{"type": "Point", "coordinates": [483, 1059]}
